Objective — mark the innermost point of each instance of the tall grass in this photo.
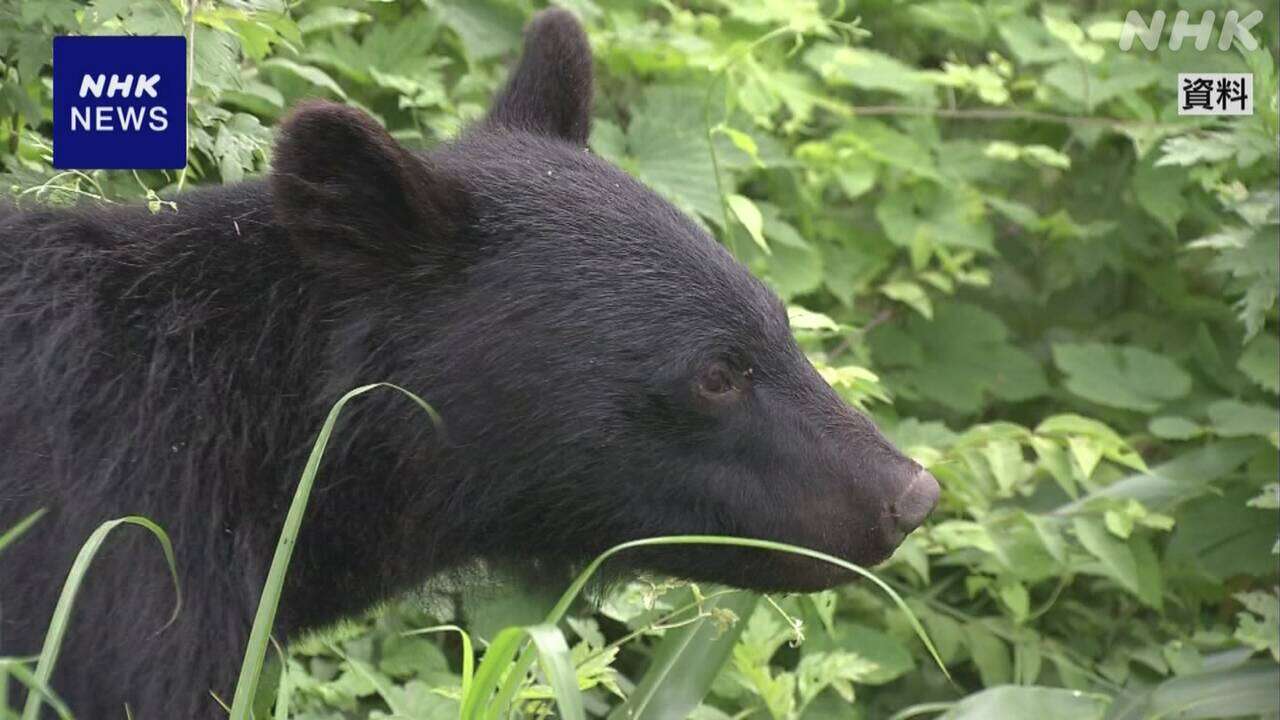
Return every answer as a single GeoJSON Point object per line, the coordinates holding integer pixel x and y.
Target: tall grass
{"type": "Point", "coordinates": [264, 618]}
{"type": "Point", "coordinates": [39, 680]}
{"type": "Point", "coordinates": [490, 689]}
{"type": "Point", "coordinates": [508, 659]}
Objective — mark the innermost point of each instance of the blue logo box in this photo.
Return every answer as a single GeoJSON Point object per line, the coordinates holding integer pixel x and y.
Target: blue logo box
{"type": "Point", "coordinates": [119, 103]}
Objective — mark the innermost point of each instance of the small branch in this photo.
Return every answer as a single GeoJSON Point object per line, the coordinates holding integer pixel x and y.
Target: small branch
{"type": "Point", "coordinates": [880, 318]}
{"type": "Point", "coordinates": [994, 114]}
{"type": "Point", "coordinates": [16, 135]}
{"type": "Point", "coordinates": [982, 114]}
{"type": "Point", "coordinates": [189, 24]}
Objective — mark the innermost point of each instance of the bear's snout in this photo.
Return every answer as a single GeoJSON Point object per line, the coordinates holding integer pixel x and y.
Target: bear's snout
{"type": "Point", "coordinates": [910, 508]}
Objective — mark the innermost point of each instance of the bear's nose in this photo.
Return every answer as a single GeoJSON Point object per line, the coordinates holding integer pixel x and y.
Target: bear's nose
{"type": "Point", "coordinates": [916, 502]}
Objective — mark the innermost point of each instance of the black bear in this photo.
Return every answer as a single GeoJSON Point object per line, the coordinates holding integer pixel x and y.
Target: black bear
{"type": "Point", "coordinates": [604, 371]}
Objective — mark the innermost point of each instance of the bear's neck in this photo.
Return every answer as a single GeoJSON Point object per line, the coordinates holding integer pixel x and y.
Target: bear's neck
{"type": "Point", "coordinates": [225, 354]}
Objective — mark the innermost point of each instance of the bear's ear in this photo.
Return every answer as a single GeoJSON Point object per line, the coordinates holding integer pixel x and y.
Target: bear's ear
{"type": "Point", "coordinates": [549, 92]}
{"type": "Point", "coordinates": [353, 200]}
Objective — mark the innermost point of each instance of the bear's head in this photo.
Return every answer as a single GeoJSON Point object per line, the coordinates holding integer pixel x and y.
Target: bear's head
{"type": "Point", "coordinates": [605, 370]}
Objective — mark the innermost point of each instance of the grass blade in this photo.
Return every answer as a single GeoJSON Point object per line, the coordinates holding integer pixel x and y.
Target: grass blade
{"type": "Point", "coordinates": [497, 657]}
{"type": "Point", "coordinates": [553, 656]}
{"type": "Point", "coordinates": [499, 675]}
{"type": "Point", "coordinates": [685, 664]}
{"type": "Point", "coordinates": [566, 600]}
{"type": "Point", "coordinates": [284, 690]}
{"type": "Point", "coordinates": [16, 531]}
{"type": "Point", "coordinates": [66, 601]}
{"type": "Point", "coordinates": [23, 675]}
{"type": "Point", "coordinates": [265, 617]}
{"type": "Point", "coordinates": [468, 653]}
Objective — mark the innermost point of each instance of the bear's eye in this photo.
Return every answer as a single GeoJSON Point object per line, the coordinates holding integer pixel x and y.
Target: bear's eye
{"type": "Point", "coordinates": [717, 381]}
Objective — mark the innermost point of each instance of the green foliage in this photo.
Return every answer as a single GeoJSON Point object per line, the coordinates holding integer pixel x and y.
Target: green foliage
{"type": "Point", "coordinates": [994, 233]}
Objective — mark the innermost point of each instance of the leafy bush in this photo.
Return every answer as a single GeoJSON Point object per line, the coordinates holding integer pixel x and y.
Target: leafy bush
{"type": "Point", "coordinates": [995, 234]}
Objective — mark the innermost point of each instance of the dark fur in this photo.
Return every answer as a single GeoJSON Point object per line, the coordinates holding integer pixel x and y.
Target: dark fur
{"type": "Point", "coordinates": [555, 312]}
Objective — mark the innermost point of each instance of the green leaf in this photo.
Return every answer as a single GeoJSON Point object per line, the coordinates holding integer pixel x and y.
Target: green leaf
{"type": "Point", "coordinates": [856, 175]}
{"type": "Point", "coordinates": [1232, 418]}
{"type": "Point", "coordinates": [749, 215]}
{"type": "Point", "coordinates": [1041, 703]}
{"type": "Point", "coordinates": [990, 654]}
{"type": "Point", "coordinates": [1015, 597]}
{"type": "Point", "coordinates": [1094, 85]}
{"type": "Point", "coordinates": [486, 27]}
{"type": "Point", "coordinates": [309, 73]}
{"type": "Point", "coordinates": [839, 670]}
{"type": "Point", "coordinates": [1250, 258]}
{"type": "Point", "coordinates": [927, 216]}
{"type": "Point", "coordinates": [860, 140]}
{"type": "Point", "coordinates": [1055, 458]}
{"type": "Point", "coordinates": [1159, 192]}
{"type": "Point", "coordinates": [1073, 37]}
{"type": "Point", "coordinates": [329, 18]}
{"type": "Point", "coordinates": [417, 699]}
{"type": "Point", "coordinates": [946, 632]}
{"type": "Point", "coordinates": [1260, 627]}
{"type": "Point", "coordinates": [867, 70]}
{"type": "Point", "coordinates": [1150, 576]}
{"type": "Point", "coordinates": [1172, 427]}
{"type": "Point", "coordinates": [1028, 546]}
{"type": "Point", "coordinates": [686, 662]}
{"type": "Point", "coordinates": [669, 148]}
{"type": "Point", "coordinates": [1268, 499]}
{"type": "Point", "coordinates": [802, 320]}
{"type": "Point", "coordinates": [1038, 154]}
{"type": "Point", "coordinates": [962, 20]}
{"type": "Point", "coordinates": [909, 294]}
{"type": "Point", "coordinates": [795, 267]}
{"type": "Point", "coordinates": [1187, 476]}
{"type": "Point", "coordinates": [1222, 536]}
{"type": "Point", "coordinates": [1121, 376]}
{"type": "Point", "coordinates": [743, 142]}
{"type": "Point", "coordinates": [1010, 470]}
{"type": "Point", "coordinates": [958, 359]}
{"type": "Point", "coordinates": [487, 613]}
{"type": "Point", "coordinates": [1261, 362]}
{"type": "Point", "coordinates": [1030, 42]}
{"type": "Point", "coordinates": [1118, 561]}
{"type": "Point", "coordinates": [1247, 690]}
{"type": "Point", "coordinates": [889, 657]}
{"type": "Point", "coordinates": [256, 97]}
{"type": "Point", "coordinates": [404, 657]}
